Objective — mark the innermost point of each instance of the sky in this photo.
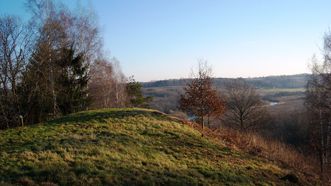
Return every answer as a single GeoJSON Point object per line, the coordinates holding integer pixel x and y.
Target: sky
{"type": "Point", "coordinates": [165, 39]}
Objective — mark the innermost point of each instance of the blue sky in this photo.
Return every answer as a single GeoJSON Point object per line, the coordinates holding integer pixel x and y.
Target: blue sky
{"type": "Point", "coordinates": [164, 39]}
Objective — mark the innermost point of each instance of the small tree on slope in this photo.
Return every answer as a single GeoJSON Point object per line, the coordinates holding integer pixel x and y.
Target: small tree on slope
{"type": "Point", "coordinates": [200, 99]}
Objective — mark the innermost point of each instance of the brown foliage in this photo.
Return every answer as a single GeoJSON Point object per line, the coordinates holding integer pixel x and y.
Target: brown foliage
{"type": "Point", "coordinates": [256, 145]}
{"type": "Point", "coordinates": [200, 98]}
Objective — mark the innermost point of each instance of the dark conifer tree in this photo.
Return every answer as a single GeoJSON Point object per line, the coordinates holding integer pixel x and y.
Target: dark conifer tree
{"type": "Point", "coordinates": [135, 95]}
{"type": "Point", "coordinates": [72, 82]}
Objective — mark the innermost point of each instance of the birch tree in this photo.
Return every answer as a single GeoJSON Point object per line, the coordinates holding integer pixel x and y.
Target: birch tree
{"type": "Point", "coordinates": [318, 104]}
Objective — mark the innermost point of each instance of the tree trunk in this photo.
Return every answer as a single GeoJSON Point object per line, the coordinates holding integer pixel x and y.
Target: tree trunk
{"type": "Point", "coordinates": [322, 152]}
{"type": "Point", "coordinates": [241, 123]}
{"type": "Point", "coordinates": [328, 142]}
{"type": "Point", "coordinates": [202, 122]}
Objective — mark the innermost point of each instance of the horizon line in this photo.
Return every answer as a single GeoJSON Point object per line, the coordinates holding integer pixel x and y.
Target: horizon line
{"type": "Point", "coordinates": [250, 77]}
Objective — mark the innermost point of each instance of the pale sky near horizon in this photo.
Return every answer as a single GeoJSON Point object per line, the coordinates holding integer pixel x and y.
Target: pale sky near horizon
{"type": "Point", "coordinates": [163, 39]}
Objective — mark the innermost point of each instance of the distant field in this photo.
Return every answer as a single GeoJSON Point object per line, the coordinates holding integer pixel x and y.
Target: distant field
{"type": "Point", "coordinates": [287, 89]}
{"type": "Point", "coordinates": [277, 90]}
{"type": "Point", "coordinates": [166, 98]}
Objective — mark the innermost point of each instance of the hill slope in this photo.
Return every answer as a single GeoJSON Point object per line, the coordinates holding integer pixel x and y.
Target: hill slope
{"type": "Point", "coordinates": [125, 147]}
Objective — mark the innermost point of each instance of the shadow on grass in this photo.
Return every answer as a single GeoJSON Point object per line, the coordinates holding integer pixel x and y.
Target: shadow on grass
{"type": "Point", "coordinates": [73, 138]}
{"type": "Point", "coordinates": [80, 173]}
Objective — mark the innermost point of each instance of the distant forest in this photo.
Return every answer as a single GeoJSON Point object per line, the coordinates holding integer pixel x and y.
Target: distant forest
{"type": "Point", "coordinates": [284, 81]}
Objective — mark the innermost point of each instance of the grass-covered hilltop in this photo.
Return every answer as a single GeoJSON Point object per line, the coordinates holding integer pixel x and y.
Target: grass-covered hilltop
{"type": "Point", "coordinates": [131, 147]}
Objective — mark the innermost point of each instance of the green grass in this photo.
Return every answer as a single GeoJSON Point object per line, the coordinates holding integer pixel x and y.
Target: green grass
{"type": "Point", "coordinates": [125, 147]}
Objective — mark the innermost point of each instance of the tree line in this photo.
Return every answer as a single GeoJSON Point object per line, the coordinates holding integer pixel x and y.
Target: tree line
{"type": "Point", "coordinates": [284, 81]}
{"type": "Point", "coordinates": [53, 65]}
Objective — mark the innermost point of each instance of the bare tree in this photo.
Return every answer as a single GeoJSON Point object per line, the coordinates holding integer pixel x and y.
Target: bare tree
{"type": "Point", "coordinates": [107, 85]}
{"type": "Point", "coordinates": [200, 99]}
{"type": "Point", "coordinates": [15, 41]}
{"type": "Point", "coordinates": [58, 29]}
{"type": "Point", "coordinates": [100, 84]}
{"type": "Point", "coordinates": [41, 62]}
{"type": "Point", "coordinates": [318, 103]}
{"type": "Point", "coordinates": [80, 26]}
{"type": "Point", "coordinates": [120, 80]}
{"type": "Point", "coordinates": [245, 109]}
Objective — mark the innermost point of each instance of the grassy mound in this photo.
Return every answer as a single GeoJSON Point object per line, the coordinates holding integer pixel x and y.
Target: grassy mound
{"type": "Point", "coordinates": [126, 147]}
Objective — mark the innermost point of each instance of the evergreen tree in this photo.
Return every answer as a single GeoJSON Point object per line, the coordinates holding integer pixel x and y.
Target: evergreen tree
{"type": "Point", "coordinates": [72, 82]}
{"type": "Point", "coordinates": [136, 97]}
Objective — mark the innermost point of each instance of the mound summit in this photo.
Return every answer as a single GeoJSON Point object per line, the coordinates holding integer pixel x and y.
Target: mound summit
{"type": "Point", "coordinates": [127, 147]}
